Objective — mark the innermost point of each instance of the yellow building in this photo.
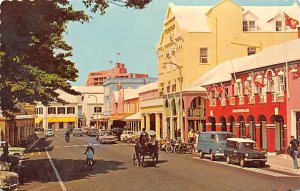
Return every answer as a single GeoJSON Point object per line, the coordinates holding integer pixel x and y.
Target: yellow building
{"type": "Point", "coordinates": [151, 108]}
{"type": "Point", "coordinates": [196, 38]}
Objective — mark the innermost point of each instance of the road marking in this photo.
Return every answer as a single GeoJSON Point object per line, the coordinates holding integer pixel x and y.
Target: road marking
{"type": "Point", "coordinates": [63, 187]}
{"type": "Point", "coordinates": [67, 146]}
{"type": "Point", "coordinates": [257, 170]}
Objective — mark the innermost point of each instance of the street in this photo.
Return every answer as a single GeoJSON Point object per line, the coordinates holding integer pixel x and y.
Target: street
{"type": "Point", "coordinates": [114, 170]}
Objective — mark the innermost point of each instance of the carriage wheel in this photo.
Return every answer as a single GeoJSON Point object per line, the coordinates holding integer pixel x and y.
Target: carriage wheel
{"type": "Point", "coordinates": [134, 159]}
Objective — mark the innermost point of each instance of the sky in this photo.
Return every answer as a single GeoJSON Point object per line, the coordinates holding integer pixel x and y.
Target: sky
{"type": "Point", "coordinates": [132, 33]}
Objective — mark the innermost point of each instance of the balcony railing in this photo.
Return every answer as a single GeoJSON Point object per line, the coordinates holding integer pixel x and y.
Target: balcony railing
{"type": "Point", "coordinates": [232, 101]}
{"type": "Point", "coordinates": [223, 101]}
{"type": "Point", "coordinates": [262, 98]}
{"type": "Point", "coordinates": [251, 99]}
{"type": "Point", "coordinates": [212, 102]}
{"type": "Point", "coordinates": [196, 112]}
{"type": "Point", "coordinates": [277, 97]}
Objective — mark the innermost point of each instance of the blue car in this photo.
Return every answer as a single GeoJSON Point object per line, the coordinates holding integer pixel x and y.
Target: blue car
{"type": "Point", "coordinates": [213, 143]}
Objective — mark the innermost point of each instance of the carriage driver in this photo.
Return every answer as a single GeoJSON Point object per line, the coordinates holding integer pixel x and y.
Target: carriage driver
{"type": "Point", "coordinates": [144, 135]}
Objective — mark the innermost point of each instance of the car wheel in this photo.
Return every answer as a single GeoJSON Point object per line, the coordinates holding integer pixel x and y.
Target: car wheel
{"type": "Point", "coordinates": [16, 155]}
{"type": "Point", "coordinates": [212, 157]}
{"type": "Point", "coordinates": [242, 162]}
{"type": "Point", "coordinates": [228, 160]}
{"type": "Point", "coordinates": [201, 155]}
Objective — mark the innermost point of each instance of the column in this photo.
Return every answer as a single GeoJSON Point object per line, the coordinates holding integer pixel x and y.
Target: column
{"type": "Point", "coordinates": [228, 127]}
{"type": "Point", "coordinates": [247, 129]}
{"type": "Point", "coordinates": [142, 120]}
{"type": "Point", "coordinates": [147, 121]}
{"type": "Point", "coordinates": [208, 126]}
{"type": "Point", "coordinates": [157, 125]}
{"type": "Point", "coordinates": [237, 130]}
{"type": "Point", "coordinates": [218, 126]}
{"type": "Point", "coordinates": [258, 135]}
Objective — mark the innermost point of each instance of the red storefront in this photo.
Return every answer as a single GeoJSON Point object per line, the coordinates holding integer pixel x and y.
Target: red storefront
{"type": "Point", "coordinates": [252, 97]}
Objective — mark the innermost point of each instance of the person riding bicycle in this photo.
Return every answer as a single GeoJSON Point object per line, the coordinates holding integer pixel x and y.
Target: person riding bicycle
{"type": "Point", "coordinates": [89, 152]}
{"type": "Point", "coordinates": [67, 134]}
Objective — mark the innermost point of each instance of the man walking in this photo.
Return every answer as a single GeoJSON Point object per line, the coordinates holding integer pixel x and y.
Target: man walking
{"type": "Point", "coordinates": [294, 144]}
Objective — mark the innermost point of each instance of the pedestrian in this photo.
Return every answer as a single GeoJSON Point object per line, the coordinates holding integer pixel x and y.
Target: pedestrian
{"type": "Point", "coordinates": [5, 152]}
{"type": "Point", "coordinates": [191, 136]}
{"type": "Point", "coordinates": [294, 144]}
{"type": "Point", "coordinates": [178, 135]}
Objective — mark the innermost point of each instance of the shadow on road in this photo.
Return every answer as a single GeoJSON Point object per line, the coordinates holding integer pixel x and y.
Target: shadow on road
{"type": "Point", "coordinates": [68, 169]}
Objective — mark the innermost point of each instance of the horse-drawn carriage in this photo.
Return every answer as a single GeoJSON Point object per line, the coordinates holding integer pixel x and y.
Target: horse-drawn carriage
{"type": "Point", "coordinates": [145, 150]}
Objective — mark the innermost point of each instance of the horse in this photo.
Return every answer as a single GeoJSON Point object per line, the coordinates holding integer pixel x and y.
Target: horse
{"type": "Point", "coordinates": [143, 148]}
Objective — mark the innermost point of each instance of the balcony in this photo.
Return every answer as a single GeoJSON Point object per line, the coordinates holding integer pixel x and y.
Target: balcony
{"type": "Point", "coordinates": [262, 98]}
{"type": "Point", "coordinates": [231, 100]}
{"type": "Point", "coordinates": [212, 102]}
{"type": "Point", "coordinates": [251, 99]}
{"type": "Point", "coordinates": [223, 101]}
{"type": "Point", "coordinates": [277, 97]}
{"type": "Point", "coordinates": [196, 112]}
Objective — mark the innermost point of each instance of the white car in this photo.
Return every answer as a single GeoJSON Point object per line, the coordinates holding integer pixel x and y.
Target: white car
{"type": "Point", "coordinates": [77, 132]}
{"type": "Point", "coordinates": [126, 136]}
{"type": "Point", "coordinates": [107, 137]}
{"type": "Point", "coordinates": [16, 151]}
{"type": "Point", "coordinates": [49, 133]}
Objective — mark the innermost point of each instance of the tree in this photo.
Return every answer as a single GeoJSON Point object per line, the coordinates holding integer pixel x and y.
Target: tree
{"type": "Point", "coordinates": [34, 56]}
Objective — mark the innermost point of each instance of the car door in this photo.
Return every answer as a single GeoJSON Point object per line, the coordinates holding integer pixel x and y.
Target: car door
{"type": "Point", "coordinates": [235, 153]}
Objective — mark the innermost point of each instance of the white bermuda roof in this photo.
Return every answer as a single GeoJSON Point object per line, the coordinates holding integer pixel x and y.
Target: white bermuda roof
{"type": "Point", "coordinates": [268, 57]}
{"type": "Point", "coordinates": [241, 140]}
{"type": "Point", "coordinates": [148, 87]}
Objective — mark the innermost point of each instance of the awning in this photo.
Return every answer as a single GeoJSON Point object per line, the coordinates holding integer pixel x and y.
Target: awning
{"type": "Point", "coordinates": [61, 119]}
{"type": "Point", "coordinates": [37, 120]}
{"type": "Point", "coordinates": [133, 117]}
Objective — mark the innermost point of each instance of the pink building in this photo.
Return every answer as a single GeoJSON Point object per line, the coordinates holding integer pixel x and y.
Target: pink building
{"type": "Point", "coordinates": [119, 71]}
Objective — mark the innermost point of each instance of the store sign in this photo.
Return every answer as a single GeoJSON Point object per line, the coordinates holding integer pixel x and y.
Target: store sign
{"type": "Point", "coordinates": [240, 110]}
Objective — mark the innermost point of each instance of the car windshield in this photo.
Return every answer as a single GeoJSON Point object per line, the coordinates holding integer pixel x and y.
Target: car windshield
{"type": "Point", "coordinates": [107, 133]}
{"type": "Point", "coordinates": [248, 145]}
{"type": "Point", "coordinates": [225, 136]}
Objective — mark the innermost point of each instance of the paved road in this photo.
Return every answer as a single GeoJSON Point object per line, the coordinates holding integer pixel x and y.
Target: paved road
{"type": "Point", "coordinates": [114, 171]}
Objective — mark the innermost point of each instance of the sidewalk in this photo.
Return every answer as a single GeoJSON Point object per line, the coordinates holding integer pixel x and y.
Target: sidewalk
{"type": "Point", "coordinates": [283, 162]}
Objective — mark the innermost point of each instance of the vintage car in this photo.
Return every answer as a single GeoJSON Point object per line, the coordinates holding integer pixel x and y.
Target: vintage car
{"type": "Point", "coordinates": [244, 152]}
{"type": "Point", "coordinates": [106, 137]}
{"type": "Point", "coordinates": [126, 136]}
{"type": "Point", "coordinates": [8, 180]}
{"type": "Point", "coordinates": [212, 143]}
{"type": "Point", "coordinates": [93, 132]}
{"type": "Point", "coordinates": [77, 132]}
{"type": "Point", "coordinates": [16, 151]}
{"type": "Point", "coordinates": [48, 132]}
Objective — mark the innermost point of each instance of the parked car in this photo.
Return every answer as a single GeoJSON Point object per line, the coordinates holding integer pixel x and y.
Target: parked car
{"type": "Point", "coordinates": [16, 151]}
{"type": "Point", "coordinates": [77, 132]}
{"type": "Point", "coordinates": [126, 136]}
{"type": "Point", "coordinates": [107, 137]}
{"type": "Point", "coordinates": [8, 180]}
{"type": "Point", "coordinates": [212, 143]}
{"type": "Point", "coordinates": [93, 132]}
{"type": "Point", "coordinates": [244, 152]}
{"type": "Point", "coordinates": [117, 131]}
{"type": "Point", "coordinates": [48, 132]}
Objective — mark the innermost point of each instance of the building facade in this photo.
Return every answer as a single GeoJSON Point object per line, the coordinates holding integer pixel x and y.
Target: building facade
{"type": "Point", "coordinates": [119, 71]}
{"type": "Point", "coordinates": [196, 38]}
{"type": "Point", "coordinates": [151, 108]}
{"type": "Point", "coordinates": [255, 97]}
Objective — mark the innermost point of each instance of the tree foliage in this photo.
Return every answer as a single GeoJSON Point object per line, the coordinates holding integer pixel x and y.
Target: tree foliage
{"type": "Point", "coordinates": [34, 56]}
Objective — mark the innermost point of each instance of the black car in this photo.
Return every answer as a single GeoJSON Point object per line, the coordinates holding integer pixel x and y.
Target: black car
{"type": "Point", "coordinates": [244, 152]}
{"type": "Point", "coordinates": [117, 132]}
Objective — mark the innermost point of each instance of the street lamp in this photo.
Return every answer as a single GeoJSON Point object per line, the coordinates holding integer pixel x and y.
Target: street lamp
{"type": "Point", "coordinates": [96, 109]}
{"type": "Point", "coordinates": [180, 99]}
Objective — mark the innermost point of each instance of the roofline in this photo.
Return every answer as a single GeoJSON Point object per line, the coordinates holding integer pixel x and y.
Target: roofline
{"type": "Point", "coordinates": [231, 1]}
